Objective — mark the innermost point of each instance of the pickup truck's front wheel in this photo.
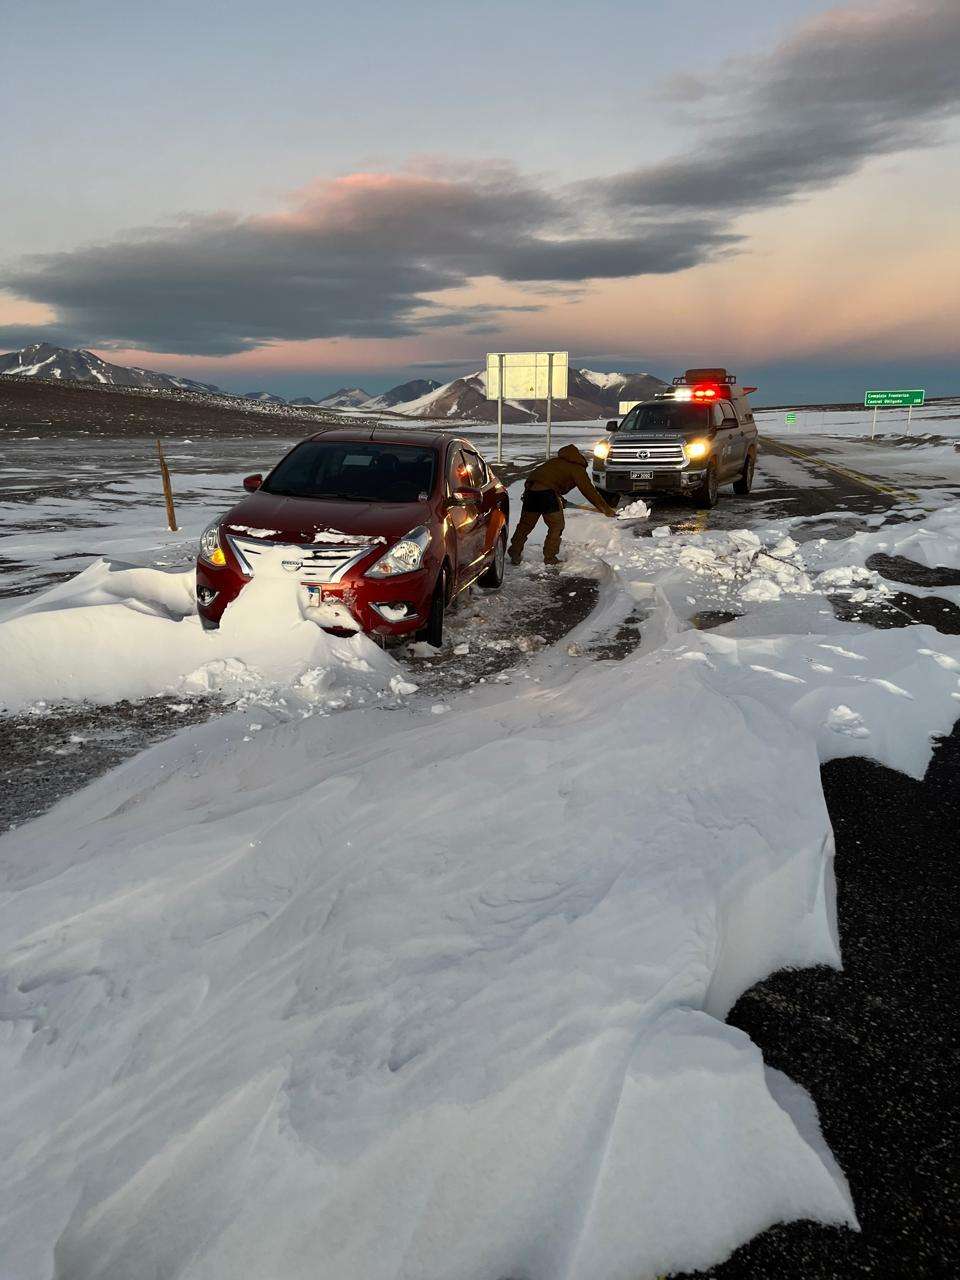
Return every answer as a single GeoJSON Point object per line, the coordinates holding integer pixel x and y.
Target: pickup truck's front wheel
{"type": "Point", "coordinates": [709, 492]}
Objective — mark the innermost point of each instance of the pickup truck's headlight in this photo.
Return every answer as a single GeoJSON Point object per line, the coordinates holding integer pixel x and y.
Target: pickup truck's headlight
{"type": "Point", "coordinates": [601, 449]}
{"type": "Point", "coordinates": [404, 556]}
{"type": "Point", "coordinates": [210, 548]}
{"type": "Point", "coordinates": [696, 449]}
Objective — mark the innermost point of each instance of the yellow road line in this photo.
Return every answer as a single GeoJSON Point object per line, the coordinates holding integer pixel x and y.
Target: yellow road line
{"type": "Point", "coordinates": [848, 473]}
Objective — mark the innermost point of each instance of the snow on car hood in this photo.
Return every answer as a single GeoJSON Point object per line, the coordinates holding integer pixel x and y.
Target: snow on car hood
{"type": "Point", "coordinates": [299, 519]}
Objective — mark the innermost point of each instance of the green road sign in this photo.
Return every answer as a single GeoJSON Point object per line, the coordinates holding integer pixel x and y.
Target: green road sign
{"type": "Point", "coordinates": [790, 419]}
{"type": "Point", "coordinates": [892, 399]}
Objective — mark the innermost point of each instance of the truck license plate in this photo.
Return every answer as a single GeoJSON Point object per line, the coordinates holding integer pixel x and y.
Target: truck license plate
{"type": "Point", "coordinates": [641, 475]}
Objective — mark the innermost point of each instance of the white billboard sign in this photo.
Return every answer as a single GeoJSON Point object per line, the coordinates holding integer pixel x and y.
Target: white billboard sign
{"type": "Point", "coordinates": [626, 406]}
{"type": "Point", "coordinates": [527, 375]}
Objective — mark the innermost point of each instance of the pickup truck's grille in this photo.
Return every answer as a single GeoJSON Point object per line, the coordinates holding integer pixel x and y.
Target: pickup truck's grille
{"type": "Point", "coordinates": [654, 455]}
{"type": "Point", "coordinates": [316, 562]}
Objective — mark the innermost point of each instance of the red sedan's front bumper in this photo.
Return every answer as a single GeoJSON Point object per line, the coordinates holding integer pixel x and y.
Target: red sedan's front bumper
{"type": "Point", "coordinates": [381, 606]}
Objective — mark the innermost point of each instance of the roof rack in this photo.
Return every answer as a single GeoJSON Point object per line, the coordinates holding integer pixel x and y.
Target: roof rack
{"type": "Point", "coordinates": [690, 376]}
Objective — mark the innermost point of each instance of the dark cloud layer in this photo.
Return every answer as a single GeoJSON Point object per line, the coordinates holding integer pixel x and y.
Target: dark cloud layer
{"type": "Point", "coordinates": [856, 84]}
{"type": "Point", "coordinates": [357, 258]}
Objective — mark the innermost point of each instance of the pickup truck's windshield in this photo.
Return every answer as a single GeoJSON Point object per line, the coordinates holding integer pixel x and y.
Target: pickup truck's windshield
{"type": "Point", "coordinates": [668, 416]}
{"type": "Point", "coordinates": [363, 472]}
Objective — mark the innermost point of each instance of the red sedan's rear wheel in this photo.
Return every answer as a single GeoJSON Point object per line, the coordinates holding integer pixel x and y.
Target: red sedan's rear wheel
{"type": "Point", "coordinates": [432, 633]}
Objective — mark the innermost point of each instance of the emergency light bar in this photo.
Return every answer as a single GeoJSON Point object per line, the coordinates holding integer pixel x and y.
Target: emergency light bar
{"type": "Point", "coordinates": [701, 393]}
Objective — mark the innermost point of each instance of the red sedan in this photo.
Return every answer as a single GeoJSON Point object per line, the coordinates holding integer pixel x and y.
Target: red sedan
{"type": "Point", "coordinates": [389, 525]}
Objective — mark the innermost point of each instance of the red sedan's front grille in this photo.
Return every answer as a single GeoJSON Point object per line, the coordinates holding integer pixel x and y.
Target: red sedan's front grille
{"type": "Point", "coordinates": [317, 562]}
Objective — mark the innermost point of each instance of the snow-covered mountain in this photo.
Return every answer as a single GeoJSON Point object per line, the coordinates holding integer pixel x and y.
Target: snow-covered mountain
{"type": "Point", "coordinates": [401, 395]}
{"type": "Point", "coordinates": [61, 364]}
{"type": "Point", "coordinates": [591, 395]}
{"type": "Point", "coordinates": [265, 397]}
{"type": "Point", "coordinates": [345, 398]}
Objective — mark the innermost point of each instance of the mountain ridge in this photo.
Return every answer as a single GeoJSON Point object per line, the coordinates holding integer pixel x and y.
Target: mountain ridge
{"type": "Point", "coordinates": [591, 395]}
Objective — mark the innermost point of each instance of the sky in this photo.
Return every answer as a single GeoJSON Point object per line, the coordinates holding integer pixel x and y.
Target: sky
{"type": "Point", "coordinates": [302, 196]}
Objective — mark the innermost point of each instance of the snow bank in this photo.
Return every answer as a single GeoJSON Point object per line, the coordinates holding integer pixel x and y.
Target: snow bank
{"type": "Point", "coordinates": [118, 632]}
{"type": "Point", "coordinates": [440, 994]}
{"type": "Point", "coordinates": [396, 1008]}
{"type": "Point", "coordinates": [886, 694]}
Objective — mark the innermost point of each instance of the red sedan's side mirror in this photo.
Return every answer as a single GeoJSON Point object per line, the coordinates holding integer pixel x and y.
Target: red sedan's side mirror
{"type": "Point", "coordinates": [252, 483]}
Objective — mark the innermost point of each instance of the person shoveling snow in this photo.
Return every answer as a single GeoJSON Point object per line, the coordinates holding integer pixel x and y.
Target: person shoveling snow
{"type": "Point", "coordinates": [542, 496]}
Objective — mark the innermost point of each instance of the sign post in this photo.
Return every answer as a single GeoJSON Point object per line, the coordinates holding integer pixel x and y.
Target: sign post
{"type": "Point", "coordinates": [500, 409]}
{"type": "Point", "coordinates": [892, 400]}
{"type": "Point", "coordinates": [549, 398]}
{"type": "Point", "coordinates": [526, 375]}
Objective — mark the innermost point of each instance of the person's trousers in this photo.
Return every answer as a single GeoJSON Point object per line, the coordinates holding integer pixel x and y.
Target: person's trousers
{"type": "Point", "coordinates": [525, 526]}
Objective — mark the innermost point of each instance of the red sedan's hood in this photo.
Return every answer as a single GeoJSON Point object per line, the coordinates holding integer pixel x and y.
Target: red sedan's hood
{"type": "Point", "coordinates": [299, 519]}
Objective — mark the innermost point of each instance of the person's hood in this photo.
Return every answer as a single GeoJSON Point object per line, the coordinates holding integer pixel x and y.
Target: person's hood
{"type": "Point", "coordinates": [570, 453]}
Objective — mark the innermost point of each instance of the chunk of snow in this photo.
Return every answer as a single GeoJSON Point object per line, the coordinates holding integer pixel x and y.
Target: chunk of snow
{"type": "Point", "coordinates": [845, 720]}
{"type": "Point", "coordinates": [637, 510]}
{"type": "Point", "coordinates": [402, 688]}
{"type": "Point", "coordinates": [252, 532]}
{"type": "Point", "coordinates": [762, 589]}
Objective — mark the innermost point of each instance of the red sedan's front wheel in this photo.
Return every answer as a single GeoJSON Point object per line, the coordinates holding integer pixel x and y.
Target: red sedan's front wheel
{"type": "Point", "coordinates": [432, 633]}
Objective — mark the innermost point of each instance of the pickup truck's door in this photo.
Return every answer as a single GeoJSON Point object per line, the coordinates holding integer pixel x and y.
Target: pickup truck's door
{"type": "Point", "coordinates": [730, 439]}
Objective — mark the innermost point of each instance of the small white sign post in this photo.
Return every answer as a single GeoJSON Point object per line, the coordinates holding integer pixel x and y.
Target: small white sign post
{"type": "Point", "coordinates": [526, 375]}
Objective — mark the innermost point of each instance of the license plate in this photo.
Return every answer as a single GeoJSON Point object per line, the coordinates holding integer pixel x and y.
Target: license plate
{"type": "Point", "coordinates": [641, 475]}
{"type": "Point", "coordinates": [314, 595]}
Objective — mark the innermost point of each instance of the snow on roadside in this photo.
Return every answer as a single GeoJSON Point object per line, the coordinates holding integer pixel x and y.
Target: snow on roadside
{"type": "Point", "coordinates": [116, 632]}
{"type": "Point", "coordinates": [441, 997]}
{"type": "Point", "coordinates": [782, 643]}
{"type": "Point", "coordinates": [442, 994]}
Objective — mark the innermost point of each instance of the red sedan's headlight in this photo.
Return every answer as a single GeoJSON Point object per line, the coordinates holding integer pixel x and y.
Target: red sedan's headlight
{"type": "Point", "coordinates": [210, 548]}
{"type": "Point", "coordinates": [405, 556]}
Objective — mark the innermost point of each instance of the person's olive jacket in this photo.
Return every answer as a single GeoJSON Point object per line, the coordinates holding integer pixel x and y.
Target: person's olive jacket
{"type": "Point", "coordinates": [568, 470]}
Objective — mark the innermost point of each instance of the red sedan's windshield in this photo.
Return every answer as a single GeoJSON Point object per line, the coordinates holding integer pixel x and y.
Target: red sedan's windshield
{"type": "Point", "coordinates": [367, 472]}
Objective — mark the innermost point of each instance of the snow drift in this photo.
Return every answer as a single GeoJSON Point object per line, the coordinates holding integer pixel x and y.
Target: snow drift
{"type": "Point", "coordinates": [389, 1006]}
{"type": "Point", "coordinates": [117, 631]}
{"type": "Point", "coordinates": [409, 996]}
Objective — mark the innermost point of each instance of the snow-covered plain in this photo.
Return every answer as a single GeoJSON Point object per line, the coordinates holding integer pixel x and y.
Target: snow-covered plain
{"type": "Point", "coordinates": [917, 454]}
{"type": "Point", "coordinates": [386, 993]}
